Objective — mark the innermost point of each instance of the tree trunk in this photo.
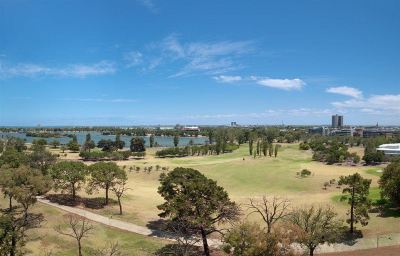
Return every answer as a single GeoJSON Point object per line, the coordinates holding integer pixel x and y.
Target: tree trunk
{"type": "Point", "coordinates": [312, 251]}
{"type": "Point", "coordinates": [73, 192]}
{"type": "Point", "coordinates": [120, 205]}
{"type": "Point", "coordinates": [79, 248]}
{"type": "Point", "coordinates": [10, 202]}
{"type": "Point", "coordinates": [352, 212]}
{"type": "Point", "coordinates": [205, 243]}
{"type": "Point", "coordinates": [106, 194]}
{"type": "Point", "coordinates": [13, 243]}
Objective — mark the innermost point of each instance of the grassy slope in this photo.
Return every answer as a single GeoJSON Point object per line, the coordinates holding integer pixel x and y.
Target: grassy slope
{"type": "Point", "coordinates": [247, 178]}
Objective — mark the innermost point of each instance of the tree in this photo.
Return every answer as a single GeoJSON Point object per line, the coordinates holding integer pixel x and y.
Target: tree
{"type": "Point", "coordinates": [69, 176]}
{"type": "Point", "coordinates": [315, 226]}
{"type": "Point", "coordinates": [16, 143]}
{"type": "Point", "coordinates": [55, 143]}
{"type": "Point", "coordinates": [13, 158]}
{"type": "Point", "coordinates": [357, 191]}
{"type": "Point", "coordinates": [249, 239]}
{"type": "Point", "coordinates": [251, 141]}
{"type": "Point", "coordinates": [111, 249]}
{"type": "Point", "coordinates": [105, 175]}
{"type": "Point", "coordinates": [119, 189]}
{"type": "Point", "coordinates": [192, 198]}
{"type": "Point", "coordinates": [390, 182]}
{"type": "Point", "coordinates": [176, 140]}
{"type": "Point", "coordinates": [107, 145]}
{"type": "Point", "coordinates": [137, 144]}
{"type": "Point", "coordinates": [73, 144]}
{"type": "Point", "coordinates": [119, 144]}
{"type": "Point", "coordinates": [271, 210]}
{"type": "Point", "coordinates": [78, 228]}
{"type": "Point", "coordinates": [41, 159]}
{"type": "Point", "coordinates": [89, 143]}
{"type": "Point", "coordinates": [151, 140]}
{"type": "Point", "coordinates": [276, 150]}
{"type": "Point", "coordinates": [23, 184]}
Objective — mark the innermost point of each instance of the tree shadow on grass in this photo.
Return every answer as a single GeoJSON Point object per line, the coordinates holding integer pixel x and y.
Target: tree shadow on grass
{"type": "Point", "coordinates": [176, 249]}
{"type": "Point", "coordinates": [97, 202]}
{"type": "Point", "coordinates": [91, 203]}
{"type": "Point", "coordinates": [63, 199]}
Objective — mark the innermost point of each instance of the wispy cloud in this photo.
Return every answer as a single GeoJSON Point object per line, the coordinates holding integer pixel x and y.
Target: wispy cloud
{"type": "Point", "coordinates": [149, 4]}
{"type": "Point", "coordinates": [277, 83]}
{"type": "Point", "coordinates": [294, 112]}
{"type": "Point", "coordinates": [133, 58]}
{"type": "Point", "coordinates": [109, 100]}
{"type": "Point", "coordinates": [345, 90]}
{"type": "Point", "coordinates": [227, 79]}
{"type": "Point", "coordinates": [195, 58]}
{"type": "Point", "coordinates": [74, 70]}
{"type": "Point", "coordinates": [388, 104]}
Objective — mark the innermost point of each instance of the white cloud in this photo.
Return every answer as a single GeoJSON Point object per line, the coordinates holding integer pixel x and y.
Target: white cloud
{"type": "Point", "coordinates": [345, 90]}
{"type": "Point", "coordinates": [227, 79]}
{"type": "Point", "coordinates": [133, 58]}
{"type": "Point", "coordinates": [75, 70]}
{"type": "Point", "coordinates": [283, 84]}
{"type": "Point", "coordinates": [388, 104]}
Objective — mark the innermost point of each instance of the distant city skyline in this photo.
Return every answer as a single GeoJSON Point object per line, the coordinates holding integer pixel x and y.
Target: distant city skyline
{"type": "Point", "coordinates": [149, 62]}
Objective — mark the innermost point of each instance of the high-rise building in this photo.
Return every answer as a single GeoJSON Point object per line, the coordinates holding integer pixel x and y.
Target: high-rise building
{"type": "Point", "coordinates": [337, 121]}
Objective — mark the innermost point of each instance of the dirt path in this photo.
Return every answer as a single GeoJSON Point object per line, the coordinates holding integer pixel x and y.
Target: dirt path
{"type": "Point", "coordinates": [123, 225]}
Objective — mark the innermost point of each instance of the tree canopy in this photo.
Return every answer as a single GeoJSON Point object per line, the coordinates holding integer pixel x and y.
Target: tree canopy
{"type": "Point", "coordinates": [192, 198]}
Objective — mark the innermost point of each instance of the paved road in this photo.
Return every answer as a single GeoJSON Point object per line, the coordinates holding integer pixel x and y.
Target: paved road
{"type": "Point", "coordinates": [365, 243]}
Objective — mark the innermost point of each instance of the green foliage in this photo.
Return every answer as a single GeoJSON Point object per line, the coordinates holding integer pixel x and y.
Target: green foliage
{"type": "Point", "coordinates": [173, 152]}
{"type": "Point", "coordinates": [250, 239]}
{"type": "Point", "coordinates": [13, 158]}
{"type": "Point", "coordinates": [305, 173]}
{"type": "Point", "coordinates": [137, 144]}
{"type": "Point", "coordinates": [192, 198]}
{"type": "Point", "coordinates": [371, 155]}
{"type": "Point", "coordinates": [390, 182]}
{"type": "Point", "coordinates": [329, 149]}
{"type": "Point", "coordinates": [73, 144]}
{"type": "Point", "coordinates": [104, 175]}
{"type": "Point", "coordinates": [304, 146]}
{"type": "Point", "coordinates": [119, 144]}
{"type": "Point", "coordinates": [55, 143]}
{"type": "Point", "coordinates": [357, 191]}
{"type": "Point", "coordinates": [68, 176]}
{"type": "Point", "coordinates": [151, 140]}
{"type": "Point", "coordinates": [176, 140]}
{"type": "Point", "coordinates": [16, 143]}
{"type": "Point", "coordinates": [41, 159]}
{"type": "Point", "coordinates": [315, 226]}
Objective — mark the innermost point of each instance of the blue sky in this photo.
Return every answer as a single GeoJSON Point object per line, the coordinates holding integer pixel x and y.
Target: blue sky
{"type": "Point", "coordinates": [65, 62]}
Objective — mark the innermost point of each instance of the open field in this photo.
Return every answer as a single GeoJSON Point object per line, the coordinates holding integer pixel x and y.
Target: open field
{"type": "Point", "coordinates": [244, 177]}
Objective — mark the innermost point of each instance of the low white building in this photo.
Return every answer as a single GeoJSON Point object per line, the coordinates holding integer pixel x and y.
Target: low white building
{"type": "Point", "coordinates": [390, 149]}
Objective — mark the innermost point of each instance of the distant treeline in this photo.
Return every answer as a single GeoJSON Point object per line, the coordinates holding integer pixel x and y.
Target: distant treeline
{"type": "Point", "coordinates": [196, 150]}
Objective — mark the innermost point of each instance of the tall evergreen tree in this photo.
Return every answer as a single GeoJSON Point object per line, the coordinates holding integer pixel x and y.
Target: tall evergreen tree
{"type": "Point", "coordinates": [356, 191]}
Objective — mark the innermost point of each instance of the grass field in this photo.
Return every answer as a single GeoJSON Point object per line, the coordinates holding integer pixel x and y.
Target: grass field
{"type": "Point", "coordinates": [244, 177]}
{"type": "Point", "coordinates": [45, 239]}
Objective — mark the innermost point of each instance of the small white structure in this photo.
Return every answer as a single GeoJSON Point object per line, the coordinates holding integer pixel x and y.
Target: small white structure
{"type": "Point", "coordinates": [390, 149]}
